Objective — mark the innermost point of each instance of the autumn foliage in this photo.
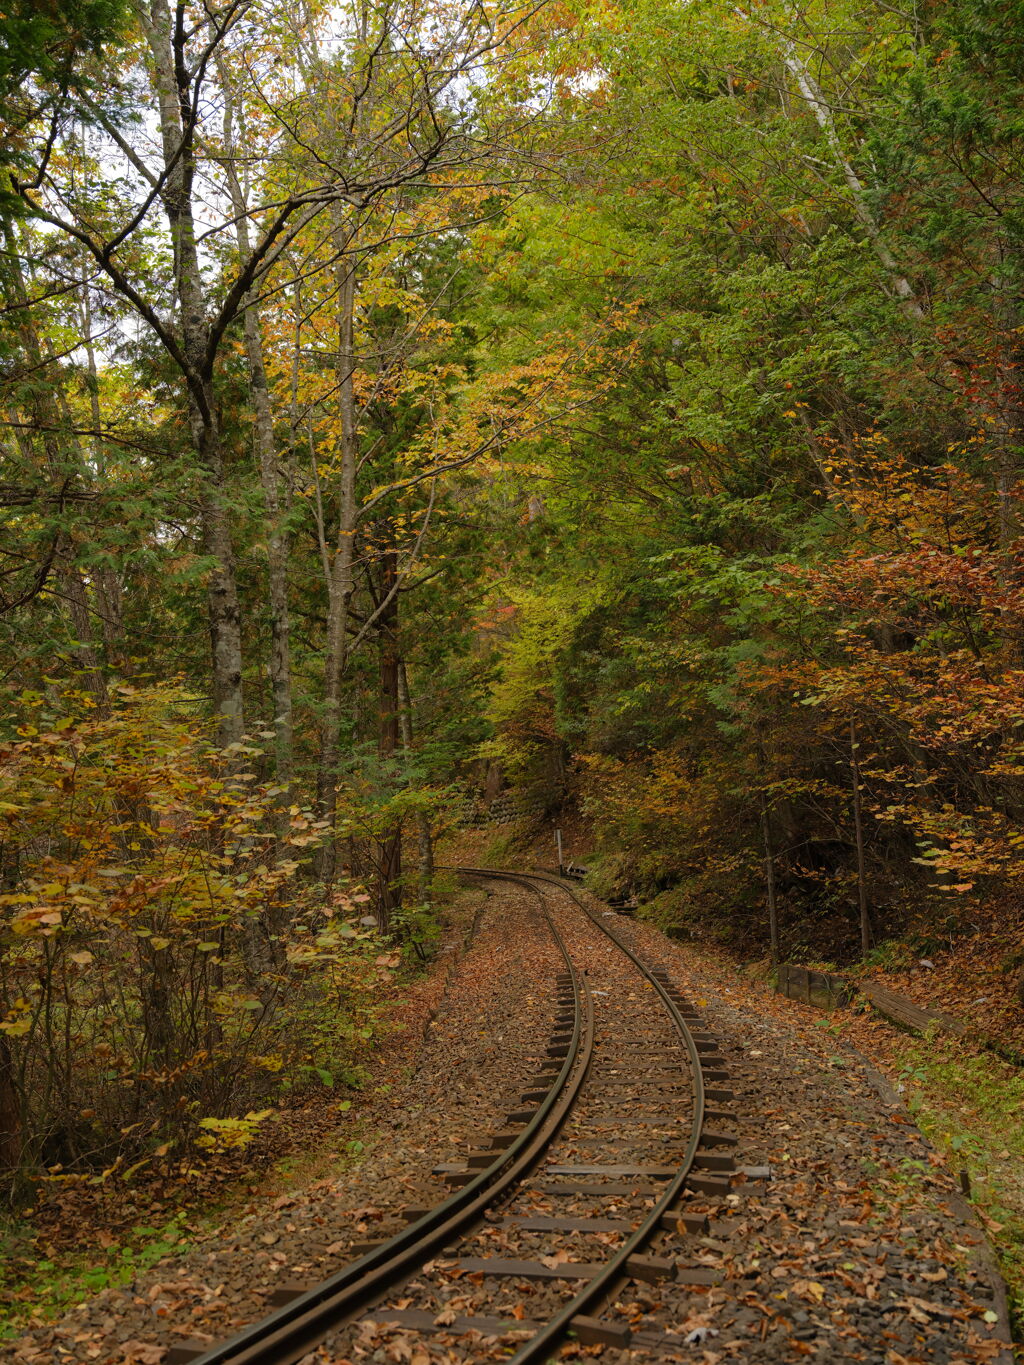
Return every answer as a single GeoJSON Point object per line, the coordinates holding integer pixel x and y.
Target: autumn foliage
{"type": "Point", "coordinates": [165, 976]}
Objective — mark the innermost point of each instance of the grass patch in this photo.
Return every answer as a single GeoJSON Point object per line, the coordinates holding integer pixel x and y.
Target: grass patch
{"type": "Point", "coordinates": [506, 847]}
{"type": "Point", "coordinates": [37, 1288]}
{"type": "Point", "coordinates": [970, 1106]}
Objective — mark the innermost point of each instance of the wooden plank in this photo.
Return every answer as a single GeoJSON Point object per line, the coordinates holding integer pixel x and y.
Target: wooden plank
{"type": "Point", "coordinates": [713, 1161]}
{"type": "Point", "coordinates": [710, 1184]}
{"type": "Point", "coordinates": [287, 1293]}
{"type": "Point", "coordinates": [812, 987]}
{"type": "Point", "coordinates": [903, 1011]}
{"type": "Point", "coordinates": [657, 1343]}
{"type": "Point", "coordinates": [711, 1139]}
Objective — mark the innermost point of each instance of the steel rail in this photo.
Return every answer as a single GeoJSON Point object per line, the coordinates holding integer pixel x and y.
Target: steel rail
{"type": "Point", "coordinates": [540, 1346]}
{"type": "Point", "coordinates": [286, 1335]}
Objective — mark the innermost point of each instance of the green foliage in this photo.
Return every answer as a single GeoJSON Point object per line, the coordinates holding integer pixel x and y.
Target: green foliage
{"type": "Point", "coordinates": [43, 44]}
{"type": "Point", "coordinates": [969, 1105]}
{"type": "Point", "coordinates": [787, 503]}
{"type": "Point", "coordinates": [162, 966]}
{"type": "Point", "coordinates": [43, 38]}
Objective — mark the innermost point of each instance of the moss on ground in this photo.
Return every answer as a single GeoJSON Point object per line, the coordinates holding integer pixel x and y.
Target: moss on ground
{"type": "Point", "coordinates": [971, 1106]}
{"type": "Point", "coordinates": [39, 1288]}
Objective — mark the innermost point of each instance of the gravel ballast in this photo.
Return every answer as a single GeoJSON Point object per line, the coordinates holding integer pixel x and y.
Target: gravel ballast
{"type": "Point", "coordinates": [857, 1248]}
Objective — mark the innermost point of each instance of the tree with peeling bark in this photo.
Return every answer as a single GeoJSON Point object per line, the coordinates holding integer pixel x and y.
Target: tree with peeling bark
{"type": "Point", "coordinates": [419, 55]}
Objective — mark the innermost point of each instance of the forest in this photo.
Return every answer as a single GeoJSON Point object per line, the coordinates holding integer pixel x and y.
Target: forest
{"type": "Point", "coordinates": [614, 406]}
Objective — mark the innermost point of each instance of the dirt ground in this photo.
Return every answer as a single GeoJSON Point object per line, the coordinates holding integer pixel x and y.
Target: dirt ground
{"type": "Point", "coordinates": [858, 1248]}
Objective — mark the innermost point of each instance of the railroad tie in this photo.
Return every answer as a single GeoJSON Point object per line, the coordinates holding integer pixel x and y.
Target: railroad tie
{"type": "Point", "coordinates": [647, 1172]}
{"type": "Point", "coordinates": [183, 1352]}
{"type": "Point", "coordinates": [698, 1276]}
{"type": "Point", "coordinates": [710, 1184]}
{"type": "Point", "coordinates": [614, 1120]}
{"type": "Point", "coordinates": [411, 1215]}
{"type": "Point", "coordinates": [637, 1188]}
{"type": "Point", "coordinates": [505, 1267]}
{"type": "Point", "coordinates": [546, 1223]}
{"type": "Point", "coordinates": [287, 1292]}
{"type": "Point", "coordinates": [504, 1137]}
{"type": "Point", "coordinates": [600, 1332]}
{"type": "Point", "coordinates": [713, 1161]}
{"type": "Point", "coordinates": [693, 1224]}
{"type": "Point", "coordinates": [422, 1320]}
{"type": "Point", "coordinates": [480, 1160]}
{"type": "Point", "coordinates": [650, 1269]}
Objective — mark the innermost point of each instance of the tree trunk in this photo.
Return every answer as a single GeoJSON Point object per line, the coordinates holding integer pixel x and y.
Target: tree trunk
{"type": "Point", "coordinates": [10, 1109]}
{"type": "Point", "coordinates": [389, 891]}
{"type": "Point", "coordinates": [65, 464]}
{"type": "Point", "coordinates": [424, 834]}
{"type": "Point", "coordinates": [339, 565]}
{"type": "Point", "coordinates": [275, 505]}
{"type": "Point", "coordinates": [769, 869]}
{"type": "Point", "coordinates": [224, 608]}
{"type": "Point", "coordinates": [76, 598]}
{"type": "Point", "coordinates": [177, 136]}
{"type": "Point", "coordinates": [108, 586]}
{"type": "Point", "coordinates": [858, 829]}
{"type": "Point", "coordinates": [823, 115]}
{"type": "Point", "coordinates": [769, 853]}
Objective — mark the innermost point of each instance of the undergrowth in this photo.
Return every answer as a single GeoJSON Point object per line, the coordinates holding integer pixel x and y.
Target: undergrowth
{"type": "Point", "coordinates": [970, 1105]}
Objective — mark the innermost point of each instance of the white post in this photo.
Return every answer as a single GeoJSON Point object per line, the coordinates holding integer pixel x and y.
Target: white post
{"type": "Point", "coordinates": [558, 841]}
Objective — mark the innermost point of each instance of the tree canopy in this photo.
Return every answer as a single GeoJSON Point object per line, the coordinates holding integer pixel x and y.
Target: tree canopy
{"type": "Point", "coordinates": [622, 401]}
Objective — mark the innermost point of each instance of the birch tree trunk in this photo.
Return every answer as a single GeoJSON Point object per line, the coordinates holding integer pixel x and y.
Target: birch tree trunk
{"type": "Point", "coordinates": [822, 111]}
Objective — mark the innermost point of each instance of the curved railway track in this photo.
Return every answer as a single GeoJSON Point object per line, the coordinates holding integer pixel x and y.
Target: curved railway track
{"type": "Point", "coordinates": [653, 1065]}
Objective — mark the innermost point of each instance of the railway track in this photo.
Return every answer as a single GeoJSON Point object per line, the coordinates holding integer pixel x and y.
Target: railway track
{"type": "Point", "coordinates": [627, 1056]}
